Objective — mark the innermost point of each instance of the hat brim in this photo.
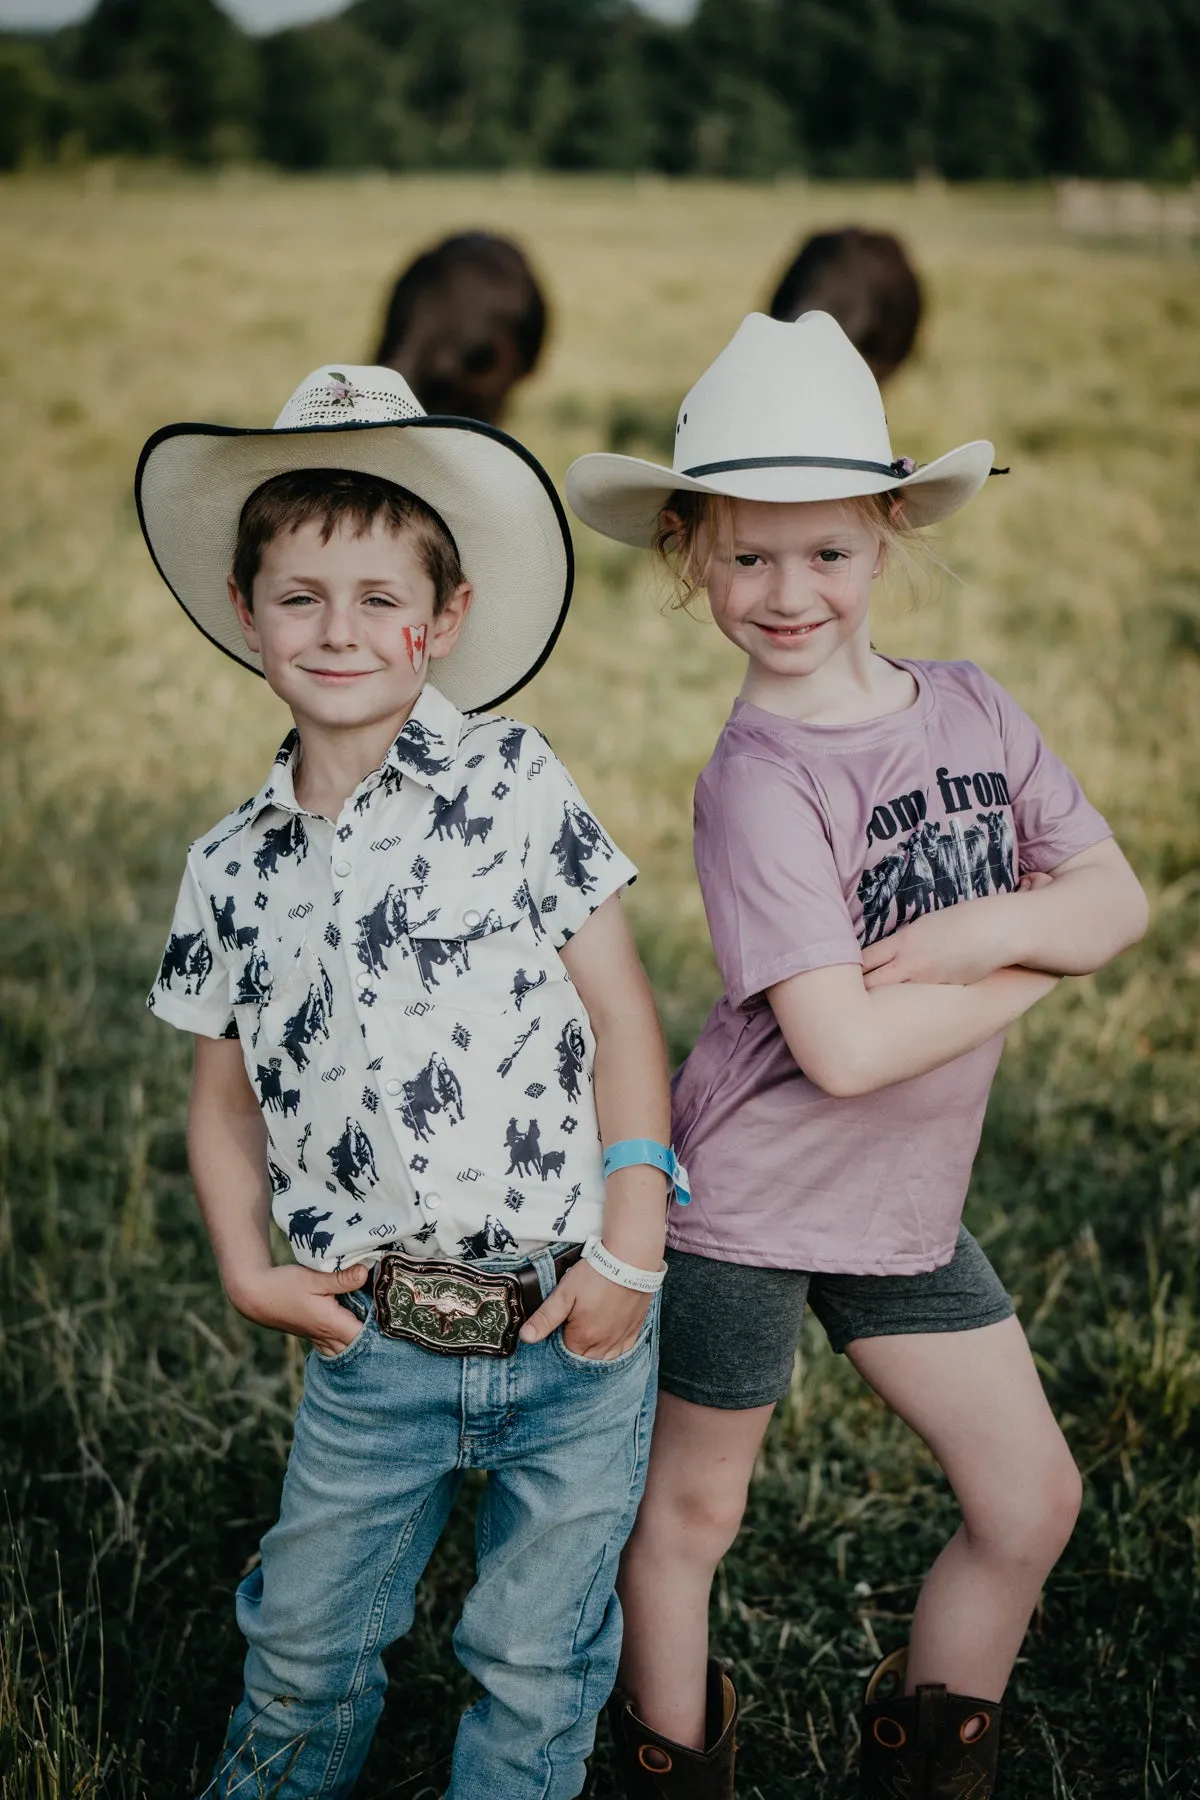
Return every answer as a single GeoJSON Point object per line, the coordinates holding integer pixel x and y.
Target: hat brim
{"type": "Point", "coordinates": [623, 496]}
{"type": "Point", "coordinates": [498, 502]}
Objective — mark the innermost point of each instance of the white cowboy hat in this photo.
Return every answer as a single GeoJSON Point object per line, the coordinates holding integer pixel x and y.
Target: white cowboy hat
{"type": "Point", "coordinates": [494, 496]}
{"type": "Point", "coordinates": [788, 411]}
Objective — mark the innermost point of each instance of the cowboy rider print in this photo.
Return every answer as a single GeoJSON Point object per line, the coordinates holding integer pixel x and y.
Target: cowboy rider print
{"type": "Point", "coordinates": [929, 862]}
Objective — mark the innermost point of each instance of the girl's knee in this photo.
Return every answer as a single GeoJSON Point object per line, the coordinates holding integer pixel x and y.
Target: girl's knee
{"type": "Point", "coordinates": [692, 1519]}
{"type": "Point", "coordinates": [1031, 1521]}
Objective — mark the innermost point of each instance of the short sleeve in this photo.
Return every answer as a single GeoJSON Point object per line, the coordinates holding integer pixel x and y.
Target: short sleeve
{"type": "Point", "coordinates": [192, 989]}
{"type": "Point", "coordinates": [571, 864]}
{"type": "Point", "coordinates": [1052, 816]}
{"type": "Point", "coordinates": [767, 872]}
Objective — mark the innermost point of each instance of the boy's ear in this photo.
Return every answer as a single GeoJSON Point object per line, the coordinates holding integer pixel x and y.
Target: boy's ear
{"type": "Point", "coordinates": [245, 617]}
{"type": "Point", "coordinates": [449, 621]}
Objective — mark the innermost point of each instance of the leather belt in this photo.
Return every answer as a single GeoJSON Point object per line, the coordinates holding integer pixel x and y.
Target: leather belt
{"type": "Point", "coordinates": [459, 1309]}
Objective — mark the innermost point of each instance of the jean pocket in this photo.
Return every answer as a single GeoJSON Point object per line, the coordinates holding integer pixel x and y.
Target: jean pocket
{"type": "Point", "coordinates": [611, 1365]}
{"type": "Point", "coordinates": [362, 1309]}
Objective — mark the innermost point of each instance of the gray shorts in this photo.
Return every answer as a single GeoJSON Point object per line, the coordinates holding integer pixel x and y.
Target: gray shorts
{"type": "Point", "coordinates": [729, 1331]}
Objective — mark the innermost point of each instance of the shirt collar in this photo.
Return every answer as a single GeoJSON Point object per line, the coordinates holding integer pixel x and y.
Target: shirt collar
{"type": "Point", "coordinates": [427, 748]}
{"type": "Point", "coordinates": [426, 751]}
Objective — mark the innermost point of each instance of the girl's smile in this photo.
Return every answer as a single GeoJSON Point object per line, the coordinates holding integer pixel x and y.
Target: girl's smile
{"type": "Point", "coordinates": [790, 584]}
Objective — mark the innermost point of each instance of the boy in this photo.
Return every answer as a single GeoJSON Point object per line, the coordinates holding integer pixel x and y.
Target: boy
{"type": "Point", "coordinates": [418, 1011]}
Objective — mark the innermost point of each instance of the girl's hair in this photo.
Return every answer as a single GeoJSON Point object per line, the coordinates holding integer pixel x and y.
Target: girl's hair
{"type": "Point", "coordinates": [690, 524]}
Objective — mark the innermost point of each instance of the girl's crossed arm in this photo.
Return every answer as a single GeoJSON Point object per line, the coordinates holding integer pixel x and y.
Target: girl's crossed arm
{"type": "Point", "coordinates": [850, 1040]}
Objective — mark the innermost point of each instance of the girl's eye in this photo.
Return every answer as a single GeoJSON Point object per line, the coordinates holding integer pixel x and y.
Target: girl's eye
{"type": "Point", "coordinates": [831, 556]}
{"type": "Point", "coordinates": [746, 559]}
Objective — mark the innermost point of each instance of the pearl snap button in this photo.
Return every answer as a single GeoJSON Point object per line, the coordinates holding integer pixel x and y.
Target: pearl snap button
{"type": "Point", "coordinates": [364, 978]}
{"type": "Point", "coordinates": [391, 1087]}
{"type": "Point", "coordinates": [341, 868]}
{"type": "Point", "coordinates": [470, 919]}
{"type": "Point", "coordinates": [433, 1201]}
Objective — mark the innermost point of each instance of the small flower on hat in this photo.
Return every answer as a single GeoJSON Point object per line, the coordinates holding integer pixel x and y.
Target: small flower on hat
{"type": "Point", "coordinates": [341, 391]}
{"type": "Point", "coordinates": [904, 465]}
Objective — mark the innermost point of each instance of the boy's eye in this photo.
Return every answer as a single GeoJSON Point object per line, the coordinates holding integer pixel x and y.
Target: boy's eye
{"type": "Point", "coordinates": [298, 600]}
{"type": "Point", "coordinates": [380, 600]}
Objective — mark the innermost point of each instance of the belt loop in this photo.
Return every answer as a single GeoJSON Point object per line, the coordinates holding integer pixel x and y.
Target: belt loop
{"type": "Point", "coordinates": [543, 1262]}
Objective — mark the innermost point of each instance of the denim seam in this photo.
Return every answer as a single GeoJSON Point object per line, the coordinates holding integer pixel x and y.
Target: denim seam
{"type": "Point", "coordinates": [618, 1532]}
{"type": "Point", "coordinates": [368, 1648]}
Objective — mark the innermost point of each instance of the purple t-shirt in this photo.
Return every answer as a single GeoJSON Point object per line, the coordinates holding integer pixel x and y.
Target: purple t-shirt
{"type": "Point", "coordinates": [812, 841]}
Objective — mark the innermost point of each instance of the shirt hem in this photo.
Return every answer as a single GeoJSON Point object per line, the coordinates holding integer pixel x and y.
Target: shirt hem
{"type": "Point", "coordinates": [920, 1263]}
{"type": "Point", "coordinates": [168, 1009]}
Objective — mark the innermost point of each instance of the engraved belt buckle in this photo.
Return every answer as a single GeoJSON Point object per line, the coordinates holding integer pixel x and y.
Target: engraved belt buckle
{"type": "Point", "coordinates": [443, 1308]}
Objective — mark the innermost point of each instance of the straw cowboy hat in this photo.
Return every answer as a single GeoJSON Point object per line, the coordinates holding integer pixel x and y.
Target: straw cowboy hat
{"type": "Point", "coordinates": [495, 498]}
{"type": "Point", "coordinates": [789, 411]}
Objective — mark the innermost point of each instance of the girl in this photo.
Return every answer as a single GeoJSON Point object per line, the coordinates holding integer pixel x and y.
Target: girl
{"type": "Point", "coordinates": [894, 868]}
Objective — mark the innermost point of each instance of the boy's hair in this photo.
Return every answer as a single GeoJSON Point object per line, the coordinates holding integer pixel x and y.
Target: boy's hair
{"type": "Point", "coordinates": [335, 497]}
{"type": "Point", "coordinates": [690, 523]}
{"type": "Point", "coordinates": [865, 280]}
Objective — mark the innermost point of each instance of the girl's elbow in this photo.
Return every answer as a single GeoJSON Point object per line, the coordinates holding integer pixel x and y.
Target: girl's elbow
{"type": "Point", "coordinates": [841, 1075]}
{"type": "Point", "coordinates": [1139, 917]}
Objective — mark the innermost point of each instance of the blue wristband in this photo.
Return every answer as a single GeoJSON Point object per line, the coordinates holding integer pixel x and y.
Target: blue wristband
{"type": "Point", "coordinates": [644, 1150]}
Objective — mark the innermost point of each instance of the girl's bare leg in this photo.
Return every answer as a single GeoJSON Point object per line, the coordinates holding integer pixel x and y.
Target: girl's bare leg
{"type": "Point", "coordinates": [700, 1467]}
{"type": "Point", "coordinates": [976, 1400]}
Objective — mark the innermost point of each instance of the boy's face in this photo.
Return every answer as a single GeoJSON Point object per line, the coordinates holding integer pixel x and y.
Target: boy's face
{"type": "Point", "coordinates": [345, 629]}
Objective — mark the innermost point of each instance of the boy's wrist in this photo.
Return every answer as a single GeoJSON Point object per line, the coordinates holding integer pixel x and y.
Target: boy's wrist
{"type": "Point", "coordinates": [243, 1284]}
{"type": "Point", "coordinates": [635, 1215]}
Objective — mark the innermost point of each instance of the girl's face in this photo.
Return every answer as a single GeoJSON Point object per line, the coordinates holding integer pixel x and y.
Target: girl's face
{"type": "Point", "coordinates": [791, 584]}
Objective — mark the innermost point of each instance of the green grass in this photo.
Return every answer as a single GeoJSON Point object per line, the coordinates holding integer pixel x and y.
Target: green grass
{"type": "Point", "coordinates": [143, 1425]}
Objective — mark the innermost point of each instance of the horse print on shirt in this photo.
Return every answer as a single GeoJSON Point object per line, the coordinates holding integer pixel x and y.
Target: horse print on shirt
{"type": "Point", "coordinates": [280, 842]}
{"type": "Point", "coordinates": [937, 864]}
{"type": "Point", "coordinates": [302, 1231]}
{"type": "Point", "coordinates": [435, 1090]}
{"type": "Point", "coordinates": [418, 748]}
{"type": "Point", "coordinates": [351, 1157]}
{"type": "Point", "coordinates": [188, 956]}
{"type": "Point", "coordinates": [578, 841]}
{"type": "Point", "coordinates": [492, 1239]}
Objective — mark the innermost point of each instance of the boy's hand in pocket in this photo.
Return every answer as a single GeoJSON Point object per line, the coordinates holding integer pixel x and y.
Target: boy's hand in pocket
{"type": "Point", "coordinates": [600, 1320]}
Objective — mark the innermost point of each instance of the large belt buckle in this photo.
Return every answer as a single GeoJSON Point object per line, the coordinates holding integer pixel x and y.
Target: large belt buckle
{"type": "Point", "coordinates": [440, 1306]}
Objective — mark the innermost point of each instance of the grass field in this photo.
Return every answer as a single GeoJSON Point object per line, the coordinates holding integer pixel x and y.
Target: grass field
{"type": "Point", "coordinates": [143, 1425]}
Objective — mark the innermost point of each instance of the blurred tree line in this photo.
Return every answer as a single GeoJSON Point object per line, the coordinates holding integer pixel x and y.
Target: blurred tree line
{"type": "Point", "coordinates": [970, 89]}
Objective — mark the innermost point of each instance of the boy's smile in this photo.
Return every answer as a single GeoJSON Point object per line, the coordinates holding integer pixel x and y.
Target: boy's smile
{"type": "Point", "coordinates": [346, 630]}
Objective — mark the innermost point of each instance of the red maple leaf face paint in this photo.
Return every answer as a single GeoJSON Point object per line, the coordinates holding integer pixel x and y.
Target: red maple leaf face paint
{"type": "Point", "coordinates": [414, 643]}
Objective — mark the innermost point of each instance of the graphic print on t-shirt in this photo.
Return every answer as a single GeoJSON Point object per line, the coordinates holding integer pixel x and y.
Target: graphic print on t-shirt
{"type": "Point", "coordinates": [931, 863]}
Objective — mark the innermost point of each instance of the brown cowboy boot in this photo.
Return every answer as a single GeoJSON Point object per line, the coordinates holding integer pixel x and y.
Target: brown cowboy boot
{"type": "Point", "coordinates": [655, 1768]}
{"type": "Point", "coordinates": [931, 1745]}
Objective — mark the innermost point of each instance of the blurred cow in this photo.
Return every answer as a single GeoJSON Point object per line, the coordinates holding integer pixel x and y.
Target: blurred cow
{"type": "Point", "coordinates": [465, 322]}
{"type": "Point", "coordinates": [868, 284]}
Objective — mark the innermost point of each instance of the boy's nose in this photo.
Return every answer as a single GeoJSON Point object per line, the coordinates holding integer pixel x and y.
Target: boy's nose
{"type": "Point", "coordinates": [339, 625]}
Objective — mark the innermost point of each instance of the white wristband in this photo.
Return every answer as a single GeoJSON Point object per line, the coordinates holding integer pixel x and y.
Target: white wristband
{"type": "Point", "coordinates": [641, 1281]}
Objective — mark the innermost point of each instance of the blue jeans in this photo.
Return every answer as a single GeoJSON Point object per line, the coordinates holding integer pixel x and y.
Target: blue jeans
{"type": "Point", "coordinates": [384, 1433]}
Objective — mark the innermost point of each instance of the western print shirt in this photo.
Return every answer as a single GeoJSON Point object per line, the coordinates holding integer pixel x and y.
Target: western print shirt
{"type": "Point", "coordinates": [422, 1059]}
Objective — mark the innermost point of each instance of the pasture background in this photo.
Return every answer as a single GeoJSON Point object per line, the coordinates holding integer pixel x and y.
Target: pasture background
{"type": "Point", "coordinates": [143, 1425]}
